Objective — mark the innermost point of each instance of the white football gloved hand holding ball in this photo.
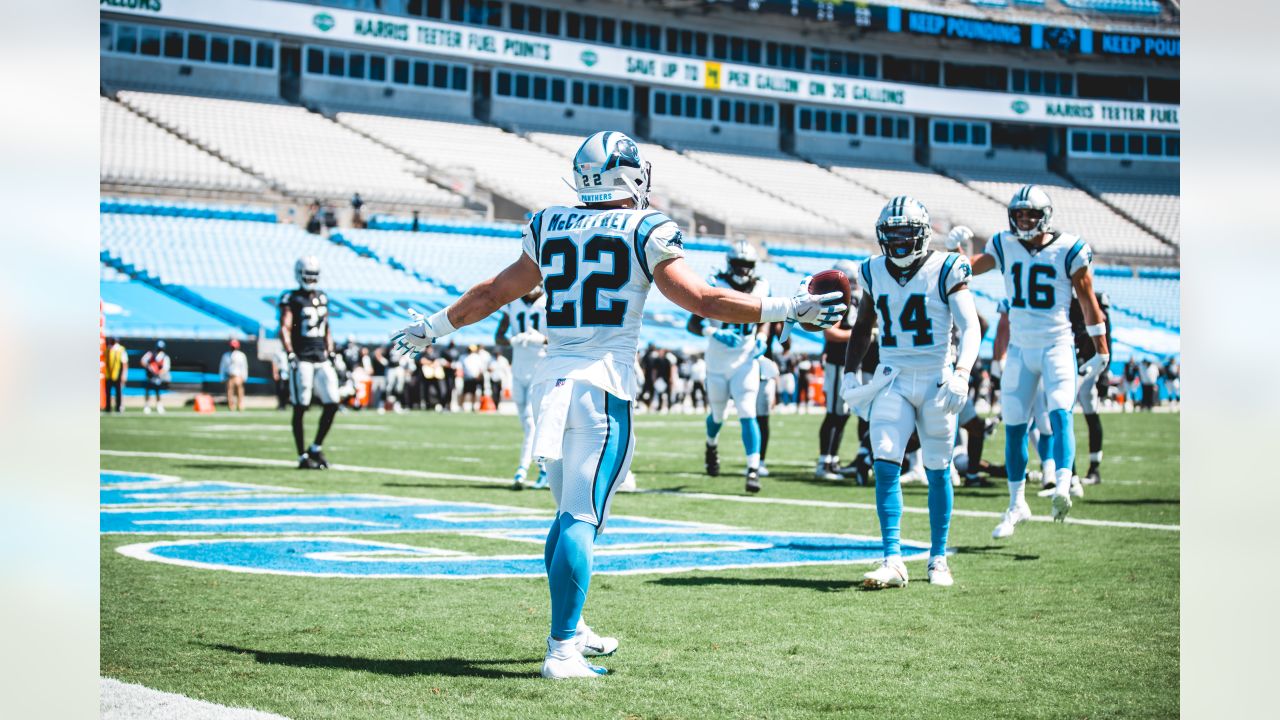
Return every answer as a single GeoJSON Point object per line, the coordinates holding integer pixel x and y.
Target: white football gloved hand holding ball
{"type": "Point", "coordinates": [822, 310]}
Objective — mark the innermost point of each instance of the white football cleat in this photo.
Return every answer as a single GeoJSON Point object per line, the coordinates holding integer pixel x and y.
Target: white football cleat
{"type": "Point", "coordinates": [1077, 489]}
{"type": "Point", "coordinates": [628, 483]}
{"type": "Point", "coordinates": [915, 475]}
{"type": "Point", "coordinates": [891, 573]}
{"type": "Point", "coordinates": [1012, 517]}
{"type": "Point", "coordinates": [564, 662]}
{"type": "Point", "coordinates": [590, 644]}
{"type": "Point", "coordinates": [824, 472]}
{"type": "Point", "coordinates": [764, 471]}
{"type": "Point", "coordinates": [1061, 506]}
{"type": "Point", "coordinates": [940, 573]}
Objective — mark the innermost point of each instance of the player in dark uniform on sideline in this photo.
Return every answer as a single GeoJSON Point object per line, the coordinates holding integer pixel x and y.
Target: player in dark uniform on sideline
{"type": "Point", "coordinates": [836, 340]}
{"type": "Point", "coordinates": [1086, 393]}
{"type": "Point", "coordinates": [308, 341]}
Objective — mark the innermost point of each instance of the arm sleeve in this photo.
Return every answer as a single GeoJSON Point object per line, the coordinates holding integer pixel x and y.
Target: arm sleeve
{"type": "Point", "coordinates": [663, 242]}
{"type": "Point", "coordinates": [1080, 255]}
{"type": "Point", "coordinates": [531, 238]}
{"type": "Point", "coordinates": [965, 315]}
{"type": "Point", "coordinates": [961, 272]}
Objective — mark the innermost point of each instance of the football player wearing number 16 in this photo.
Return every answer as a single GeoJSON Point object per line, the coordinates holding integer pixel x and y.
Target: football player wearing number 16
{"type": "Point", "coordinates": [1041, 267]}
{"type": "Point", "coordinates": [597, 262]}
{"type": "Point", "coordinates": [917, 294]}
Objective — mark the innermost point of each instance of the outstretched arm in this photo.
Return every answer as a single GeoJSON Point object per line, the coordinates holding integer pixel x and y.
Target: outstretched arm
{"type": "Point", "coordinates": [682, 286]}
{"type": "Point", "coordinates": [482, 300]}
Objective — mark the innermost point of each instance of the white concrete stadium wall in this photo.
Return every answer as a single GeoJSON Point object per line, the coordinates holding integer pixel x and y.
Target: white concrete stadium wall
{"type": "Point", "coordinates": [854, 149]}
{"type": "Point", "coordinates": [681, 131]}
{"type": "Point", "coordinates": [995, 159]}
{"type": "Point", "coordinates": [1123, 168]}
{"type": "Point", "coordinates": [127, 72]}
{"type": "Point", "coordinates": [558, 117]}
{"type": "Point", "coordinates": [376, 98]}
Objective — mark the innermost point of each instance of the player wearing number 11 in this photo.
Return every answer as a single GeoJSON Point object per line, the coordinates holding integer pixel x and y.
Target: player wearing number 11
{"type": "Point", "coordinates": [1041, 267]}
{"type": "Point", "coordinates": [597, 262]}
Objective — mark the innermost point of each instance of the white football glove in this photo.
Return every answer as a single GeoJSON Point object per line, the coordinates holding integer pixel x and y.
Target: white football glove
{"type": "Point", "coordinates": [958, 236]}
{"type": "Point", "coordinates": [821, 310]}
{"type": "Point", "coordinates": [850, 382]}
{"type": "Point", "coordinates": [415, 338]}
{"type": "Point", "coordinates": [1095, 364]}
{"type": "Point", "coordinates": [953, 393]}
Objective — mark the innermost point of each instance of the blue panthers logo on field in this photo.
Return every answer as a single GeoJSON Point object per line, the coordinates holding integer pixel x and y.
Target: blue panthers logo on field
{"type": "Point", "coordinates": [285, 531]}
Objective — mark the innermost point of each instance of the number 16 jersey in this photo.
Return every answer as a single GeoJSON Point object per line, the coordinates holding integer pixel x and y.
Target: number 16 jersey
{"type": "Point", "coordinates": [913, 312]}
{"type": "Point", "coordinates": [1037, 283]}
{"type": "Point", "coordinates": [597, 269]}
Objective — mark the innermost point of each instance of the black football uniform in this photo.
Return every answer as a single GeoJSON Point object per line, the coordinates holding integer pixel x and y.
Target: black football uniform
{"type": "Point", "coordinates": [310, 309]}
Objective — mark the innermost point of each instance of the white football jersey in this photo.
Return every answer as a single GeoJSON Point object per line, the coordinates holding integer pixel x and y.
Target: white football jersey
{"type": "Point", "coordinates": [597, 268]}
{"type": "Point", "coordinates": [722, 359]}
{"type": "Point", "coordinates": [914, 316]}
{"type": "Point", "coordinates": [1038, 285]}
{"type": "Point", "coordinates": [522, 317]}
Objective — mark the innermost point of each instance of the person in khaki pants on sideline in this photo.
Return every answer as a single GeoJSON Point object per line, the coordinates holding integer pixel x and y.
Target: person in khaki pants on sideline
{"type": "Point", "coordinates": [234, 369]}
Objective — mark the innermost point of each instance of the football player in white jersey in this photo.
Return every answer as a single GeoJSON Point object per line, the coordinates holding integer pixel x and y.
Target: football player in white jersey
{"type": "Point", "coordinates": [914, 295]}
{"type": "Point", "coordinates": [733, 371]}
{"type": "Point", "coordinates": [597, 262]}
{"type": "Point", "coordinates": [1042, 267]}
{"type": "Point", "coordinates": [521, 326]}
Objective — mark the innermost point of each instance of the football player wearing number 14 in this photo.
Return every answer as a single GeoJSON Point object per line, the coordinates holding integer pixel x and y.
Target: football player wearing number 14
{"type": "Point", "coordinates": [597, 262]}
{"type": "Point", "coordinates": [915, 295]}
{"type": "Point", "coordinates": [1041, 267]}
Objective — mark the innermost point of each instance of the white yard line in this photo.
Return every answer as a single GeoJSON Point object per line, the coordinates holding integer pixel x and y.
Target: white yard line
{"type": "Point", "coordinates": [125, 701]}
{"type": "Point", "coordinates": [678, 493]}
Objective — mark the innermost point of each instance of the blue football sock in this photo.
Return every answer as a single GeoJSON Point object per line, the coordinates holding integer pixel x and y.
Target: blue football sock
{"type": "Point", "coordinates": [940, 499]}
{"type": "Point", "coordinates": [713, 429]}
{"type": "Point", "coordinates": [1015, 452]}
{"type": "Point", "coordinates": [1044, 446]}
{"type": "Point", "coordinates": [750, 435]}
{"type": "Point", "coordinates": [570, 575]}
{"type": "Point", "coordinates": [1063, 447]}
{"type": "Point", "coordinates": [889, 505]}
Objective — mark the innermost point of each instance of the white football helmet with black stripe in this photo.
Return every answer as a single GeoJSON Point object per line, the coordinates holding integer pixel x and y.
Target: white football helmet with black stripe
{"type": "Point", "coordinates": [608, 167]}
{"type": "Point", "coordinates": [741, 263]}
{"type": "Point", "coordinates": [307, 271]}
{"type": "Point", "coordinates": [903, 230]}
{"type": "Point", "coordinates": [1030, 197]}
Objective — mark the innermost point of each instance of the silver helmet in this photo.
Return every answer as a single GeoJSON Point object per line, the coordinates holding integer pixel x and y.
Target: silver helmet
{"type": "Point", "coordinates": [608, 167]}
{"type": "Point", "coordinates": [307, 271]}
{"type": "Point", "coordinates": [1030, 197]}
{"type": "Point", "coordinates": [903, 230]}
{"type": "Point", "coordinates": [741, 262]}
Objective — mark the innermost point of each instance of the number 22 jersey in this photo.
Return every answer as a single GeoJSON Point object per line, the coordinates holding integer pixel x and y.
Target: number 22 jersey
{"type": "Point", "coordinates": [597, 269]}
{"type": "Point", "coordinates": [913, 312]}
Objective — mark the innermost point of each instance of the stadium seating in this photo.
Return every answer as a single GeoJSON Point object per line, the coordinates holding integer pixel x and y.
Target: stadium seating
{"type": "Point", "coordinates": [138, 152]}
{"type": "Point", "coordinates": [135, 309]}
{"type": "Point", "coordinates": [235, 254]}
{"type": "Point", "coordinates": [1154, 299]}
{"type": "Point", "coordinates": [1137, 7]}
{"type": "Point", "coordinates": [1074, 210]}
{"type": "Point", "coordinates": [1156, 202]}
{"type": "Point", "coordinates": [505, 163]}
{"type": "Point", "coordinates": [694, 180]}
{"type": "Point", "coordinates": [946, 199]}
{"type": "Point", "coordinates": [170, 208]}
{"type": "Point", "coordinates": [302, 152]}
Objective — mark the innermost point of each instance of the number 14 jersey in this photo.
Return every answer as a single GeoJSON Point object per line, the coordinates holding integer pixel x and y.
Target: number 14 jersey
{"type": "Point", "coordinates": [597, 269]}
{"type": "Point", "coordinates": [913, 312]}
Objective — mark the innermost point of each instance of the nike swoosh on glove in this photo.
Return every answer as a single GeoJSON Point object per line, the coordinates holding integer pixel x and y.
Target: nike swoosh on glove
{"type": "Point", "coordinates": [822, 310]}
{"type": "Point", "coordinates": [953, 393]}
{"type": "Point", "coordinates": [415, 338]}
{"type": "Point", "coordinates": [1095, 364]}
{"type": "Point", "coordinates": [727, 337]}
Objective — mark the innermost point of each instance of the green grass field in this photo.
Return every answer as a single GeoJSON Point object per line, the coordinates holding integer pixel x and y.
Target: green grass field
{"type": "Point", "coordinates": [1060, 621]}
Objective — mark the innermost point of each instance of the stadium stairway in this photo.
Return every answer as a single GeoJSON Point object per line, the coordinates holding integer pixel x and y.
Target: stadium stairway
{"type": "Point", "coordinates": [273, 186]}
{"type": "Point", "coordinates": [244, 323]}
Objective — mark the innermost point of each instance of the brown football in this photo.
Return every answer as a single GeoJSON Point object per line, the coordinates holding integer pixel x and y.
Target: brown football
{"type": "Point", "coordinates": [825, 282]}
